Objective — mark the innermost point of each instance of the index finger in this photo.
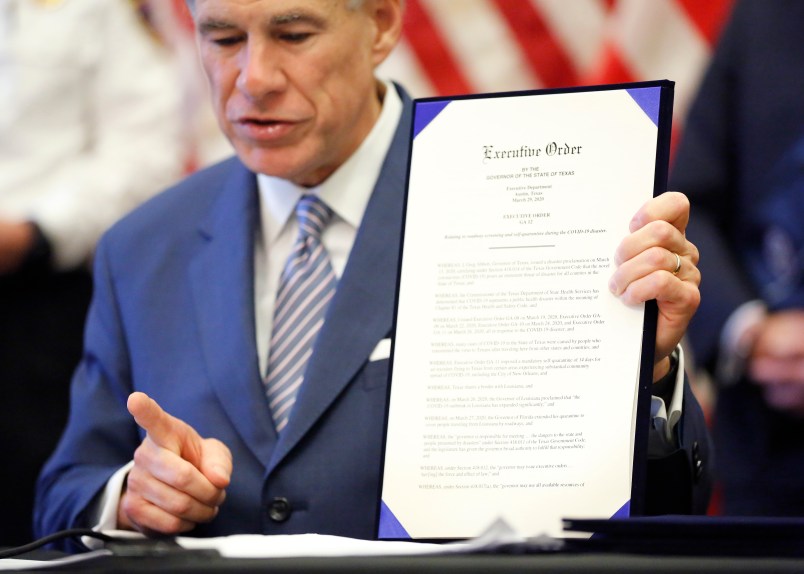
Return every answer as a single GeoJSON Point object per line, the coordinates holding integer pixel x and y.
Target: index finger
{"type": "Point", "coordinates": [671, 206]}
{"type": "Point", "coordinates": [165, 430]}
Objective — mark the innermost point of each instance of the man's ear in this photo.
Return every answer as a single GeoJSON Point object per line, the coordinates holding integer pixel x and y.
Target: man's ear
{"type": "Point", "coordinates": [387, 16]}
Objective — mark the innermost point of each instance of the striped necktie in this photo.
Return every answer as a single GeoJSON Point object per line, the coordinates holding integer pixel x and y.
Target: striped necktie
{"type": "Point", "coordinates": [305, 290]}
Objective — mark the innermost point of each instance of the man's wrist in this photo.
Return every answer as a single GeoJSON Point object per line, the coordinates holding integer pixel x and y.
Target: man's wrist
{"type": "Point", "coordinates": [661, 369]}
{"type": "Point", "coordinates": [664, 386]}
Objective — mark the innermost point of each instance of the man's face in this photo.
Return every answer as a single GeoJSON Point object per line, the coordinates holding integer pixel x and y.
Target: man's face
{"type": "Point", "coordinates": [292, 81]}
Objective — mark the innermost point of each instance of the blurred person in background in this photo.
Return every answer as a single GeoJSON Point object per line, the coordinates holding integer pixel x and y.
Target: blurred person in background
{"type": "Point", "coordinates": [741, 162]}
{"type": "Point", "coordinates": [89, 128]}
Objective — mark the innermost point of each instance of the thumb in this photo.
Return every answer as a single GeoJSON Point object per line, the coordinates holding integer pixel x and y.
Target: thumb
{"type": "Point", "coordinates": [671, 206]}
{"type": "Point", "coordinates": [163, 429]}
{"type": "Point", "coordinates": [216, 462]}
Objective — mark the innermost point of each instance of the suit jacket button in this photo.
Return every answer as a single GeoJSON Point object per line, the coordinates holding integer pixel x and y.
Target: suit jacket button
{"type": "Point", "coordinates": [280, 509]}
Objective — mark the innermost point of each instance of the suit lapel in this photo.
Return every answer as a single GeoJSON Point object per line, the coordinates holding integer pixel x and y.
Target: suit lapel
{"type": "Point", "coordinates": [362, 311]}
{"type": "Point", "coordinates": [222, 278]}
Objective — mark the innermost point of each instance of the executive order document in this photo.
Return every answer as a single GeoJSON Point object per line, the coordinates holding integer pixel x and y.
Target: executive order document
{"type": "Point", "coordinates": [515, 370]}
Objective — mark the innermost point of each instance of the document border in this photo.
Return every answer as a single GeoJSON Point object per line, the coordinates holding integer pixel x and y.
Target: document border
{"type": "Point", "coordinates": [636, 505]}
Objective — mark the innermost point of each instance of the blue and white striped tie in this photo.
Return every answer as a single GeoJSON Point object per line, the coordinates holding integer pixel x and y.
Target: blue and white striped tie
{"type": "Point", "coordinates": [305, 290]}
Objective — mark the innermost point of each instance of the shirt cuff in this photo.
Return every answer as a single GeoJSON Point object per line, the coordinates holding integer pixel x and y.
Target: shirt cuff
{"type": "Point", "coordinates": [664, 418]}
{"type": "Point", "coordinates": [103, 512]}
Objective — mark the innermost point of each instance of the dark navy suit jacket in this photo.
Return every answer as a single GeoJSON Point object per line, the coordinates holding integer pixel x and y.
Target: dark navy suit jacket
{"type": "Point", "coordinates": [173, 316]}
{"type": "Point", "coordinates": [747, 117]}
{"type": "Point", "coordinates": [741, 162]}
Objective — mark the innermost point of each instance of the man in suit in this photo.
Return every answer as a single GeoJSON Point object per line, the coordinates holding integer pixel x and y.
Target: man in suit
{"type": "Point", "coordinates": [742, 163]}
{"type": "Point", "coordinates": [185, 293]}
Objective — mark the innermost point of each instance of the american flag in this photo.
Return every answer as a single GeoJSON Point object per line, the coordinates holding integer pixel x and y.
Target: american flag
{"type": "Point", "coordinates": [474, 46]}
{"type": "Point", "coordinates": [469, 46]}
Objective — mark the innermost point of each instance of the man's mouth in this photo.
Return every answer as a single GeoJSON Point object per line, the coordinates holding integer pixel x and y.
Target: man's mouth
{"type": "Point", "coordinates": [263, 128]}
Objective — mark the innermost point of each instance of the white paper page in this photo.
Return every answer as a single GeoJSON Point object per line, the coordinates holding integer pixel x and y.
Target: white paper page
{"type": "Point", "coordinates": [495, 536]}
{"type": "Point", "coordinates": [290, 545]}
{"type": "Point", "coordinates": [515, 369]}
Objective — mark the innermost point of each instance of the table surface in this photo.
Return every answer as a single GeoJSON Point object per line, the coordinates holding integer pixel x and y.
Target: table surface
{"type": "Point", "coordinates": [483, 563]}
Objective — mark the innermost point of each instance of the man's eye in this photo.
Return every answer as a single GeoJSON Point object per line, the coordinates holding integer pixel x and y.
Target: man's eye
{"type": "Point", "coordinates": [225, 41]}
{"type": "Point", "coordinates": [295, 37]}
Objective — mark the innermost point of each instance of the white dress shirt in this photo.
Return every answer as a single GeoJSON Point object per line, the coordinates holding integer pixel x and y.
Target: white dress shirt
{"type": "Point", "coordinates": [346, 192]}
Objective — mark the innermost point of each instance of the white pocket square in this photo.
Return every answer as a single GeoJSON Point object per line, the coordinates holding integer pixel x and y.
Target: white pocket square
{"type": "Point", "coordinates": [381, 351]}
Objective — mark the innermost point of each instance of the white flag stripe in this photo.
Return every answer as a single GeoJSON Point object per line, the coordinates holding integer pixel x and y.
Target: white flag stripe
{"type": "Point", "coordinates": [579, 25]}
{"type": "Point", "coordinates": [658, 41]}
{"type": "Point", "coordinates": [403, 66]}
{"type": "Point", "coordinates": [489, 56]}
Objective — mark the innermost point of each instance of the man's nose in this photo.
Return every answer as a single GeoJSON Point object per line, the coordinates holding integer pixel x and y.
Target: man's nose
{"type": "Point", "coordinates": [261, 72]}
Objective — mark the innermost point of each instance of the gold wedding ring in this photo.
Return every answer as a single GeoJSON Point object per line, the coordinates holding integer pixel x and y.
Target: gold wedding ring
{"type": "Point", "coordinates": [678, 263]}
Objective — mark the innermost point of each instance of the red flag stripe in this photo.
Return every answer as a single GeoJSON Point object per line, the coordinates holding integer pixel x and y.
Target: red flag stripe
{"type": "Point", "coordinates": [546, 56]}
{"type": "Point", "coordinates": [611, 69]}
{"type": "Point", "coordinates": [432, 52]}
{"type": "Point", "coordinates": [708, 17]}
{"type": "Point", "coordinates": [183, 15]}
